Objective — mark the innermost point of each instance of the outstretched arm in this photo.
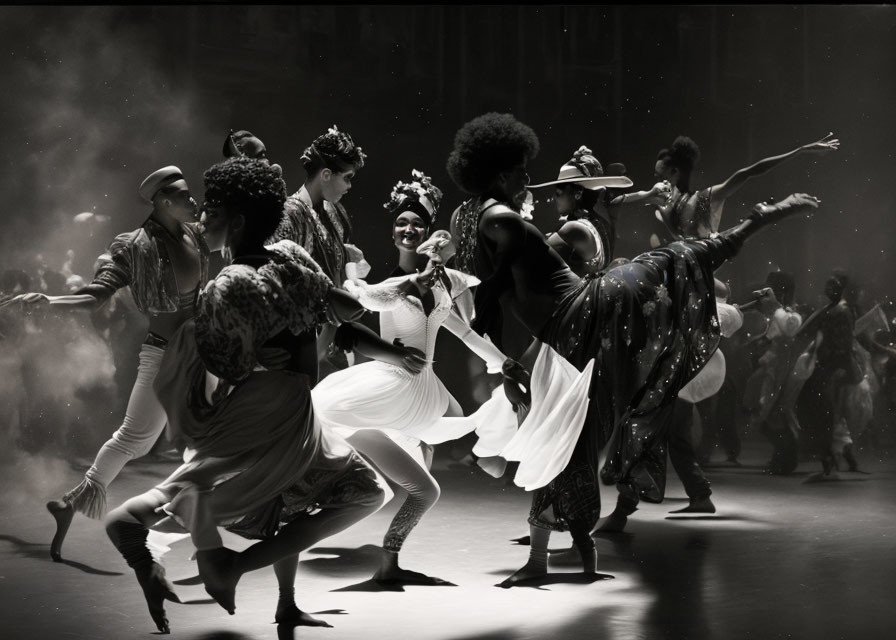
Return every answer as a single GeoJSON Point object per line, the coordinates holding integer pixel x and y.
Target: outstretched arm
{"type": "Point", "coordinates": [492, 356]}
{"type": "Point", "coordinates": [87, 301]}
{"type": "Point", "coordinates": [722, 192]}
{"type": "Point", "coordinates": [656, 195]}
{"type": "Point", "coordinates": [516, 376]}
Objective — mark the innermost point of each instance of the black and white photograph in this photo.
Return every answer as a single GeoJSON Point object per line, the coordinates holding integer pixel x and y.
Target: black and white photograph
{"type": "Point", "coordinates": [448, 322]}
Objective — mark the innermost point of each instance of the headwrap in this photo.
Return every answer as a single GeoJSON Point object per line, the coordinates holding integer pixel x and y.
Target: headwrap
{"type": "Point", "coordinates": [419, 196]}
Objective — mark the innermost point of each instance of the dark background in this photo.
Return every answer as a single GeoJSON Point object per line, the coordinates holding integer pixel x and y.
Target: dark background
{"type": "Point", "coordinates": [96, 98]}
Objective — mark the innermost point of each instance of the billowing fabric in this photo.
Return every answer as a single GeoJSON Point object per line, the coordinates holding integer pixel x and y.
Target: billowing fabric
{"type": "Point", "coordinates": [377, 395]}
{"type": "Point", "coordinates": [246, 448]}
{"type": "Point", "coordinates": [258, 440]}
{"type": "Point", "coordinates": [139, 259]}
{"type": "Point", "coordinates": [243, 307]}
{"type": "Point", "coordinates": [546, 439]}
{"type": "Point", "coordinates": [712, 376]}
{"type": "Point", "coordinates": [649, 325]}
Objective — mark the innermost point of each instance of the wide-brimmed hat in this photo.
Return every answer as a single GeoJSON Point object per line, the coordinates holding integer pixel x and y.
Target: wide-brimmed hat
{"type": "Point", "coordinates": [585, 170]}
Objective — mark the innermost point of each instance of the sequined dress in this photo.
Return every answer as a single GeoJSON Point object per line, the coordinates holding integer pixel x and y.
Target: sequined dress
{"type": "Point", "coordinates": [650, 326]}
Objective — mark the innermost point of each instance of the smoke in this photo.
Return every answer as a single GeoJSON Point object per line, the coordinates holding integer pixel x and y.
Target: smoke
{"type": "Point", "coordinates": [55, 393]}
{"type": "Point", "coordinates": [58, 387]}
{"type": "Point", "coordinates": [92, 104]}
{"type": "Point", "coordinates": [92, 110]}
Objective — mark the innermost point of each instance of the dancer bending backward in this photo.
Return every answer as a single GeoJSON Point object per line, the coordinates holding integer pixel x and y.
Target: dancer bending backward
{"type": "Point", "coordinates": [388, 416]}
{"type": "Point", "coordinates": [236, 386]}
{"type": "Point", "coordinates": [315, 220]}
{"type": "Point", "coordinates": [649, 325]}
{"type": "Point", "coordinates": [163, 263]}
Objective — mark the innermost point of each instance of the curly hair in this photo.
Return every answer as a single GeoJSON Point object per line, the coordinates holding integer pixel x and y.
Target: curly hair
{"type": "Point", "coordinates": [253, 188]}
{"type": "Point", "coordinates": [486, 146]}
{"type": "Point", "coordinates": [420, 196]}
{"type": "Point", "coordinates": [335, 150]}
{"type": "Point", "coordinates": [684, 154]}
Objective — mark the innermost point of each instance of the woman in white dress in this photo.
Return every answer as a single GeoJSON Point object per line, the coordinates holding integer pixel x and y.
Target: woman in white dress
{"type": "Point", "coordinates": [387, 415]}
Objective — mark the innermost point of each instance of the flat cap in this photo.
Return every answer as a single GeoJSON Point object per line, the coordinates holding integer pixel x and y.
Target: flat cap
{"type": "Point", "coordinates": [164, 177]}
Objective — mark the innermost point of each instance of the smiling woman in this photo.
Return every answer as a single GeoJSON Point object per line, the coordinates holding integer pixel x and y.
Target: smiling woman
{"type": "Point", "coordinates": [359, 401]}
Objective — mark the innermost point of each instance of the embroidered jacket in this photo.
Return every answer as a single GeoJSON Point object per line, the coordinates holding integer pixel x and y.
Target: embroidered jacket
{"type": "Point", "coordinates": [139, 259]}
{"type": "Point", "coordinates": [324, 237]}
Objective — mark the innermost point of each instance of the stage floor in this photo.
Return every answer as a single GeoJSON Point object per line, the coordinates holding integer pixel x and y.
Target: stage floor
{"type": "Point", "coordinates": [780, 559]}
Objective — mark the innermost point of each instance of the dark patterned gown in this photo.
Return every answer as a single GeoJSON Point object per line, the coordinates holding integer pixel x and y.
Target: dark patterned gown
{"type": "Point", "coordinates": [650, 325]}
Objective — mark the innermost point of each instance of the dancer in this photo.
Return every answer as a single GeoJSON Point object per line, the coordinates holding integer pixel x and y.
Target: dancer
{"type": "Point", "coordinates": [236, 386]}
{"type": "Point", "coordinates": [838, 366]}
{"type": "Point", "coordinates": [315, 219]}
{"type": "Point", "coordinates": [163, 263]}
{"type": "Point", "coordinates": [387, 416]}
{"type": "Point", "coordinates": [697, 214]}
{"type": "Point", "coordinates": [648, 326]}
{"type": "Point", "coordinates": [688, 215]}
{"type": "Point", "coordinates": [588, 210]}
{"type": "Point", "coordinates": [773, 387]}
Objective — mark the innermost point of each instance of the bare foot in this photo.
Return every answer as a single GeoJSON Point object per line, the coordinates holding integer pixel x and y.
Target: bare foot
{"type": "Point", "coordinates": [62, 512]}
{"type": "Point", "coordinates": [613, 523]}
{"type": "Point", "coordinates": [220, 574]}
{"type": "Point", "coordinates": [292, 616]}
{"type": "Point", "coordinates": [529, 571]}
{"type": "Point", "coordinates": [157, 589]}
{"type": "Point", "coordinates": [698, 505]}
{"type": "Point", "coordinates": [397, 575]}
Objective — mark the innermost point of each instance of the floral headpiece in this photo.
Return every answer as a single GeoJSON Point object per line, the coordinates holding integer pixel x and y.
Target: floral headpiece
{"type": "Point", "coordinates": [419, 195]}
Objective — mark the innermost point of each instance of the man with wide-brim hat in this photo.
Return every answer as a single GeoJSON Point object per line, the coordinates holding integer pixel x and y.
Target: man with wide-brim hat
{"type": "Point", "coordinates": [587, 200]}
{"type": "Point", "coordinates": [585, 171]}
{"type": "Point", "coordinates": [164, 262]}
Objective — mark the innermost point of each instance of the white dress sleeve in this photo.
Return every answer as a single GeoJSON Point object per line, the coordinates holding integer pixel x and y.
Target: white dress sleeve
{"type": "Point", "coordinates": [384, 296]}
{"type": "Point", "coordinates": [482, 347]}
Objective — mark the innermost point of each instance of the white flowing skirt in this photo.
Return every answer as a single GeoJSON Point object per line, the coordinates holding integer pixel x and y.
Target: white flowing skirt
{"type": "Point", "coordinates": [376, 395]}
{"type": "Point", "coordinates": [544, 442]}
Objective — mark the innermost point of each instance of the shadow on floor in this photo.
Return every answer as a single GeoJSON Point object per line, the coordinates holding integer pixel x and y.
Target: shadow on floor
{"type": "Point", "coordinates": [41, 551]}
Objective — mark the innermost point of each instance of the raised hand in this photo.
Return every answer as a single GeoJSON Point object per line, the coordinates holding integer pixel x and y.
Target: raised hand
{"type": "Point", "coordinates": [660, 193]}
{"type": "Point", "coordinates": [825, 145]}
{"type": "Point", "coordinates": [767, 300]}
{"type": "Point", "coordinates": [436, 244]}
